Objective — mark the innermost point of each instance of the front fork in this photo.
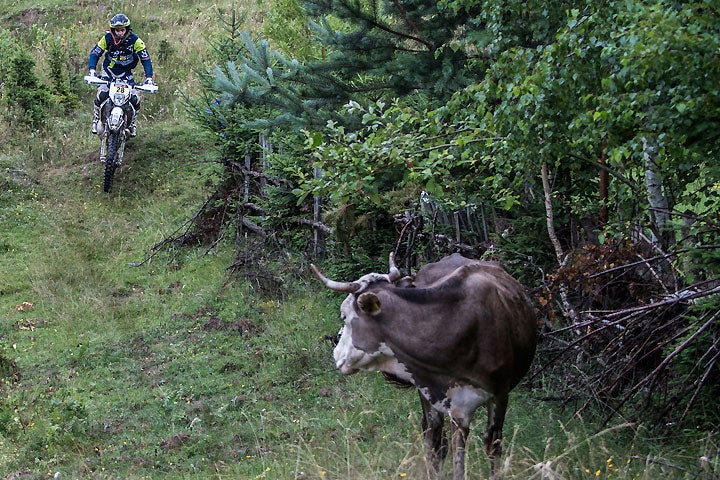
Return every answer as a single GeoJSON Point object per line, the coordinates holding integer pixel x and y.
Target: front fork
{"type": "Point", "coordinates": [117, 120]}
{"type": "Point", "coordinates": [104, 147]}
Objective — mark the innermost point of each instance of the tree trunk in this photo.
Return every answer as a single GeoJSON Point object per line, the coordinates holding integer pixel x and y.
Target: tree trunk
{"type": "Point", "coordinates": [549, 215]}
{"type": "Point", "coordinates": [550, 219]}
{"type": "Point", "coordinates": [604, 185]}
{"type": "Point", "coordinates": [657, 201]}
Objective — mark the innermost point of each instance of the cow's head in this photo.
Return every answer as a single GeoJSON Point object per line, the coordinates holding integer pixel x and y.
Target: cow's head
{"type": "Point", "coordinates": [350, 358]}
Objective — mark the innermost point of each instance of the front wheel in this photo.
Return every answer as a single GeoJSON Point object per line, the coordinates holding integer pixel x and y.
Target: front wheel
{"type": "Point", "coordinates": [111, 163]}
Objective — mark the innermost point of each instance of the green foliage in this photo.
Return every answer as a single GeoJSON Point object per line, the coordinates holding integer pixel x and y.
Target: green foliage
{"type": "Point", "coordinates": [577, 88]}
{"type": "Point", "coordinates": [227, 44]}
{"type": "Point", "coordinates": [8, 46]}
{"type": "Point", "coordinates": [69, 415]}
{"type": "Point", "coordinates": [694, 370]}
{"type": "Point", "coordinates": [286, 28]}
{"type": "Point", "coordinates": [400, 147]}
{"type": "Point", "coordinates": [65, 88]}
{"type": "Point", "coordinates": [290, 94]}
{"type": "Point", "coordinates": [645, 93]}
{"type": "Point", "coordinates": [386, 48]}
{"type": "Point", "coordinates": [25, 95]}
{"type": "Point", "coordinates": [404, 158]}
{"type": "Point", "coordinates": [9, 371]}
{"type": "Point", "coordinates": [359, 51]}
{"type": "Point", "coordinates": [165, 50]}
{"type": "Point", "coordinates": [509, 24]}
{"type": "Point", "coordinates": [221, 82]}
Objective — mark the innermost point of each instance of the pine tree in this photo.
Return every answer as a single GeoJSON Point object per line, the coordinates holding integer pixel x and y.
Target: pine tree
{"type": "Point", "coordinates": [367, 50]}
{"type": "Point", "coordinates": [400, 46]}
{"type": "Point", "coordinates": [423, 50]}
{"type": "Point", "coordinates": [26, 94]}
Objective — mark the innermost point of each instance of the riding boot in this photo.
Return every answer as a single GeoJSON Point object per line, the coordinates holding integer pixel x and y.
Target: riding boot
{"type": "Point", "coordinates": [96, 118]}
{"type": "Point", "coordinates": [133, 126]}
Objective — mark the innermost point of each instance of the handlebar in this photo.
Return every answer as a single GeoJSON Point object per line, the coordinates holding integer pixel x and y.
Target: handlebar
{"type": "Point", "coordinates": [91, 80]}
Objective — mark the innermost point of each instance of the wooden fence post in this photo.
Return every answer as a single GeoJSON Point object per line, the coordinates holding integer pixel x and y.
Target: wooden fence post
{"type": "Point", "coordinates": [318, 236]}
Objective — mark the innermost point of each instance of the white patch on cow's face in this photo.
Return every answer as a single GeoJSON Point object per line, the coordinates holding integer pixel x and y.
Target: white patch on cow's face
{"type": "Point", "coordinates": [461, 401]}
{"type": "Point", "coordinates": [345, 354]}
{"type": "Point", "coordinates": [350, 359]}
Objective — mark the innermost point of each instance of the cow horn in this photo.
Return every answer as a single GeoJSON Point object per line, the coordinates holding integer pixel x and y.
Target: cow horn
{"type": "Point", "coordinates": [394, 271]}
{"type": "Point", "coordinates": [349, 287]}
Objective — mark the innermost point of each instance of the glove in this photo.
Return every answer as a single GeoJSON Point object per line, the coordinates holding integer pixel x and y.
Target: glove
{"type": "Point", "coordinates": [149, 81]}
{"type": "Point", "coordinates": [91, 73]}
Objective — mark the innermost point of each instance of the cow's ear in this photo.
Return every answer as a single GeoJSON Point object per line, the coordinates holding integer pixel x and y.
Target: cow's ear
{"type": "Point", "coordinates": [369, 303]}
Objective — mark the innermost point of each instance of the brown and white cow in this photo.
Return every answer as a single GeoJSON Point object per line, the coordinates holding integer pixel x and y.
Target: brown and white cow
{"type": "Point", "coordinates": [462, 331]}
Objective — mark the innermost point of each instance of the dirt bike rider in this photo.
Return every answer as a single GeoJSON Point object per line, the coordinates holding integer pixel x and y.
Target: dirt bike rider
{"type": "Point", "coordinates": [123, 50]}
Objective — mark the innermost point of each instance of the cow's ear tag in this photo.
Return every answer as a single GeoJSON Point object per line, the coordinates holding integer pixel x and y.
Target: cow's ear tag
{"type": "Point", "coordinates": [369, 303]}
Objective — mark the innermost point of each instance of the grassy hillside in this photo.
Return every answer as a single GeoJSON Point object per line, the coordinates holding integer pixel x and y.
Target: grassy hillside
{"type": "Point", "coordinates": [174, 369]}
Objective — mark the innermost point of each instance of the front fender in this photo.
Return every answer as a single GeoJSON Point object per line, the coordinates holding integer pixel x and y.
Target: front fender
{"type": "Point", "coordinates": [116, 119]}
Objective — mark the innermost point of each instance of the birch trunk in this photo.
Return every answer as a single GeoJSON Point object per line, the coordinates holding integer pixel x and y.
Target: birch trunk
{"type": "Point", "coordinates": [657, 200]}
{"type": "Point", "coordinates": [550, 219]}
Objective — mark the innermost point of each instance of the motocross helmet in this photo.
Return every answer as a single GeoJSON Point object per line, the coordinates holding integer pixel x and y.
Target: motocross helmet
{"type": "Point", "coordinates": [120, 20]}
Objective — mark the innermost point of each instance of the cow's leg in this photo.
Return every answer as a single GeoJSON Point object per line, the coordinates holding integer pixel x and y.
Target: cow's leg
{"type": "Point", "coordinates": [493, 435]}
{"type": "Point", "coordinates": [460, 428]}
{"type": "Point", "coordinates": [435, 440]}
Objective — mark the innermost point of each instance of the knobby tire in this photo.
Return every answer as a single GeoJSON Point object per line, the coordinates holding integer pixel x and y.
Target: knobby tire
{"type": "Point", "coordinates": [110, 161]}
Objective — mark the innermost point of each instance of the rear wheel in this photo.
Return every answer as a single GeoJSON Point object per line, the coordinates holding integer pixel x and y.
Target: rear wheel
{"type": "Point", "coordinates": [111, 161]}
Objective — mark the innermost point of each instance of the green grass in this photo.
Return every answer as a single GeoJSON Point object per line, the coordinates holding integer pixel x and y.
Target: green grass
{"type": "Point", "coordinates": [174, 369]}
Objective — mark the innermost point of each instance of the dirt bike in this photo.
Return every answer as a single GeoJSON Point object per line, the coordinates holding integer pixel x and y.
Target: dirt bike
{"type": "Point", "coordinates": [116, 113]}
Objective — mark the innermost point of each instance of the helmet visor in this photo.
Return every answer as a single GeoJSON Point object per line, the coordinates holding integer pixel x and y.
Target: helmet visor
{"type": "Point", "coordinates": [119, 21]}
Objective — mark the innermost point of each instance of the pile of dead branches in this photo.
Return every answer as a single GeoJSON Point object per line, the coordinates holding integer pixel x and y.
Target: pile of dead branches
{"type": "Point", "coordinates": [637, 345]}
